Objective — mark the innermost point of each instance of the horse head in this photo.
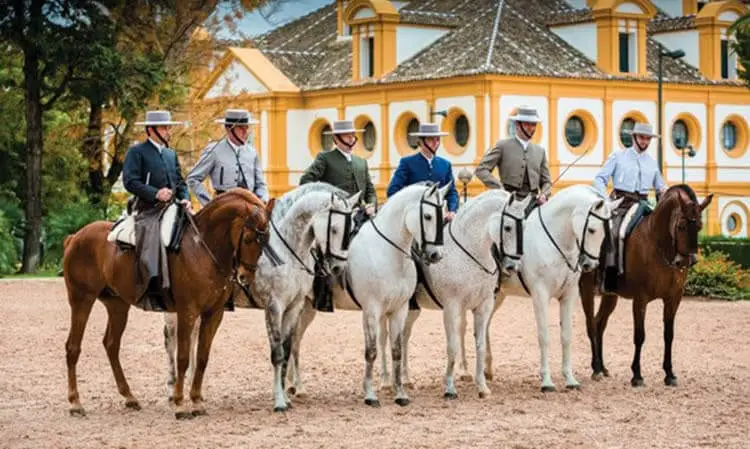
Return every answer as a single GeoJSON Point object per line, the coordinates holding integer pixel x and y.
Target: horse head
{"type": "Point", "coordinates": [684, 224]}
{"type": "Point", "coordinates": [506, 232]}
{"type": "Point", "coordinates": [331, 228]}
{"type": "Point", "coordinates": [591, 225]}
{"type": "Point", "coordinates": [425, 223]}
{"type": "Point", "coordinates": [251, 233]}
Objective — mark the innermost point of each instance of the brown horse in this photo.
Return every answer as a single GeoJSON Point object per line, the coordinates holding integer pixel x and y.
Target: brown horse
{"type": "Point", "coordinates": [658, 254]}
{"type": "Point", "coordinates": [232, 233]}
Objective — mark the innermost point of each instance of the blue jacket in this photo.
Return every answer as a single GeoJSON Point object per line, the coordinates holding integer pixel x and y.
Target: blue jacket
{"type": "Point", "coordinates": [165, 171]}
{"type": "Point", "coordinates": [415, 168]}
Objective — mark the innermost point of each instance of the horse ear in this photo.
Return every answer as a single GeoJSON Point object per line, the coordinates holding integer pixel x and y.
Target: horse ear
{"type": "Point", "coordinates": [431, 190]}
{"type": "Point", "coordinates": [706, 201]}
{"type": "Point", "coordinates": [616, 203]}
{"type": "Point", "coordinates": [444, 189]}
{"type": "Point", "coordinates": [354, 199]}
{"type": "Point", "coordinates": [269, 206]}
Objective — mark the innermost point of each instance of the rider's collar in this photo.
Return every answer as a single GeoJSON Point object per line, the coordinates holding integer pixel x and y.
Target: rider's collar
{"type": "Point", "coordinates": [156, 144]}
{"type": "Point", "coordinates": [348, 156]}
{"type": "Point", "coordinates": [524, 143]}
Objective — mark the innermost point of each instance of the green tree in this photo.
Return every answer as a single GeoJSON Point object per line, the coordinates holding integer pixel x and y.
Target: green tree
{"type": "Point", "coordinates": [741, 46]}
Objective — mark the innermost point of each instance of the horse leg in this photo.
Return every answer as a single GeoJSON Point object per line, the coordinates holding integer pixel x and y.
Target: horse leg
{"type": "Point", "coordinates": [463, 364]}
{"type": "Point", "coordinates": [397, 323]}
{"type": "Point", "coordinates": [639, 336]}
{"type": "Point", "coordinates": [587, 290]}
{"type": "Point", "coordinates": [541, 302]}
{"type": "Point", "coordinates": [185, 322]}
{"type": "Point", "coordinates": [566, 337]}
{"type": "Point", "coordinates": [308, 314]}
{"type": "Point", "coordinates": [117, 312]}
{"type": "Point", "coordinates": [209, 324]}
{"type": "Point", "coordinates": [289, 325]}
{"type": "Point", "coordinates": [80, 309]}
{"type": "Point", "coordinates": [385, 376]}
{"type": "Point", "coordinates": [607, 306]}
{"type": "Point", "coordinates": [452, 321]}
{"type": "Point", "coordinates": [488, 370]}
{"type": "Point", "coordinates": [670, 310]}
{"type": "Point", "coordinates": [273, 327]}
{"type": "Point", "coordinates": [170, 347]}
{"type": "Point", "coordinates": [481, 322]}
{"type": "Point", "coordinates": [371, 329]}
{"type": "Point", "coordinates": [411, 317]}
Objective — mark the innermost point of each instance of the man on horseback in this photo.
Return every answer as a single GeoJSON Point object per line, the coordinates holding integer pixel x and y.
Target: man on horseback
{"type": "Point", "coordinates": [151, 172]}
{"type": "Point", "coordinates": [426, 166]}
{"type": "Point", "coordinates": [341, 168]}
{"type": "Point", "coordinates": [521, 163]}
{"type": "Point", "coordinates": [231, 162]}
{"type": "Point", "coordinates": [634, 173]}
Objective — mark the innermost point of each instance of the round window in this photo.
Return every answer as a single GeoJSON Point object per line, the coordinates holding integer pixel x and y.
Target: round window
{"type": "Point", "coordinates": [462, 130]}
{"type": "Point", "coordinates": [625, 128]}
{"type": "Point", "coordinates": [574, 131]}
{"type": "Point", "coordinates": [369, 137]}
{"type": "Point", "coordinates": [412, 127]}
{"type": "Point", "coordinates": [732, 223]}
{"type": "Point", "coordinates": [729, 136]}
{"type": "Point", "coordinates": [680, 134]}
{"type": "Point", "coordinates": [326, 140]}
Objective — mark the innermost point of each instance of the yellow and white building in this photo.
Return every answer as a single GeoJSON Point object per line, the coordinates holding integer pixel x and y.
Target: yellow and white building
{"type": "Point", "coordinates": [588, 66]}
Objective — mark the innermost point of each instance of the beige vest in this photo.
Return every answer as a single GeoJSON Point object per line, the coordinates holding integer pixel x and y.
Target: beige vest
{"type": "Point", "coordinates": [512, 162]}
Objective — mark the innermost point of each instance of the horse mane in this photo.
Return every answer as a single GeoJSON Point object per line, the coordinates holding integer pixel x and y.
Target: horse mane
{"type": "Point", "coordinates": [684, 188]}
{"type": "Point", "coordinates": [285, 203]}
{"type": "Point", "coordinates": [480, 199]}
{"type": "Point", "coordinates": [232, 195]}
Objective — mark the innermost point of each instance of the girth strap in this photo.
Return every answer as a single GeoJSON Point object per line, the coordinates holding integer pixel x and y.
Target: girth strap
{"type": "Point", "coordinates": [422, 279]}
{"type": "Point", "coordinates": [349, 290]}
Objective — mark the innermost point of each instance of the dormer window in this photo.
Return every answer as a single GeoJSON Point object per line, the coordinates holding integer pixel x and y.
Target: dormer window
{"type": "Point", "coordinates": [728, 61]}
{"type": "Point", "coordinates": [373, 35]}
{"type": "Point", "coordinates": [628, 51]}
{"type": "Point", "coordinates": [367, 55]}
{"type": "Point", "coordinates": [621, 35]}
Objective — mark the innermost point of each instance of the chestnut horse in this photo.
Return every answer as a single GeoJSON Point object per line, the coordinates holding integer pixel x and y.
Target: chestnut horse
{"type": "Point", "coordinates": [658, 254]}
{"type": "Point", "coordinates": [232, 231]}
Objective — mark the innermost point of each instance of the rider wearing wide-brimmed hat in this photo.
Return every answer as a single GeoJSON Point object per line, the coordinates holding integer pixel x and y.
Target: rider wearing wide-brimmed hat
{"type": "Point", "coordinates": [522, 164]}
{"type": "Point", "coordinates": [231, 162]}
{"type": "Point", "coordinates": [634, 173]}
{"type": "Point", "coordinates": [426, 165]}
{"type": "Point", "coordinates": [341, 168]}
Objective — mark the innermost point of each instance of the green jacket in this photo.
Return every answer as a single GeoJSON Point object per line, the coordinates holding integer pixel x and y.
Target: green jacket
{"type": "Point", "coordinates": [333, 168]}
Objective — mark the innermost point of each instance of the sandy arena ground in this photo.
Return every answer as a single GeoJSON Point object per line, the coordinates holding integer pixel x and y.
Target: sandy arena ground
{"type": "Point", "coordinates": [710, 408]}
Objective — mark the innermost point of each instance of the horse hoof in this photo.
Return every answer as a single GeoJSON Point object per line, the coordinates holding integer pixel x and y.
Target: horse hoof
{"type": "Point", "coordinates": [573, 387]}
{"type": "Point", "coordinates": [183, 415]}
{"type": "Point", "coordinates": [484, 394]}
{"type": "Point", "coordinates": [372, 403]}
{"type": "Point", "coordinates": [466, 377]}
{"type": "Point", "coordinates": [450, 395]}
{"type": "Point", "coordinates": [670, 381]}
{"type": "Point", "coordinates": [597, 377]}
{"type": "Point", "coordinates": [605, 371]}
{"type": "Point", "coordinates": [281, 409]}
{"type": "Point", "coordinates": [636, 382]}
{"type": "Point", "coordinates": [199, 412]}
{"type": "Point", "coordinates": [548, 389]}
{"type": "Point", "coordinates": [291, 391]}
{"type": "Point", "coordinates": [489, 376]}
{"type": "Point", "coordinates": [78, 412]}
{"type": "Point", "coordinates": [133, 405]}
{"type": "Point", "coordinates": [403, 402]}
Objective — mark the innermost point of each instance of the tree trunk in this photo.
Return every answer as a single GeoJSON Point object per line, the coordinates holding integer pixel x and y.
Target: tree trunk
{"type": "Point", "coordinates": [92, 146]}
{"type": "Point", "coordinates": [34, 146]}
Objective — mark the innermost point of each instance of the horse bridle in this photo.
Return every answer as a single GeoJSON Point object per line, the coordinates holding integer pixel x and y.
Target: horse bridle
{"type": "Point", "coordinates": [692, 225]}
{"type": "Point", "coordinates": [581, 244]}
{"type": "Point", "coordinates": [317, 253]}
{"type": "Point", "coordinates": [262, 239]}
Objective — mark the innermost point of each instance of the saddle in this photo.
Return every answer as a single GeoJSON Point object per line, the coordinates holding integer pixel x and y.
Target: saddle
{"type": "Point", "coordinates": [151, 232]}
{"type": "Point", "coordinates": [624, 221]}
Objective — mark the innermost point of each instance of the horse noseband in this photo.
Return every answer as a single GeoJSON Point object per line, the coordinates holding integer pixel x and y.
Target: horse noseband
{"type": "Point", "coordinates": [439, 231]}
{"type": "Point", "coordinates": [519, 235]}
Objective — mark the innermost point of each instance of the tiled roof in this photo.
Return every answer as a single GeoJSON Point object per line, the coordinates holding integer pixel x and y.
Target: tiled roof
{"type": "Point", "coordinates": [668, 24]}
{"type": "Point", "coordinates": [508, 37]}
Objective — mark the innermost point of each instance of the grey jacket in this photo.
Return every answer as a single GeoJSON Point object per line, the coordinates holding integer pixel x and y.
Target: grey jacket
{"type": "Point", "coordinates": [219, 162]}
{"type": "Point", "coordinates": [511, 159]}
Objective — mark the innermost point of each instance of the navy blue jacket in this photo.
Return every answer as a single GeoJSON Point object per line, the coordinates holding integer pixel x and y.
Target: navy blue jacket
{"type": "Point", "coordinates": [415, 168]}
{"type": "Point", "coordinates": [165, 171]}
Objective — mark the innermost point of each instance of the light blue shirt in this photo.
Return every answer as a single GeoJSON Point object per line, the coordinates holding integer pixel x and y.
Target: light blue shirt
{"type": "Point", "coordinates": [630, 172]}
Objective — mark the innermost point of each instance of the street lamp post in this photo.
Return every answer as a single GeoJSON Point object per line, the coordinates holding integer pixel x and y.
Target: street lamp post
{"type": "Point", "coordinates": [691, 153]}
{"type": "Point", "coordinates": [465, 176]}
{"type": "Point", "coordinates": [674, 54]}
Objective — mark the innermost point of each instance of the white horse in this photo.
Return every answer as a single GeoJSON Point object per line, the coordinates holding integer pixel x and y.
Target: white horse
{"type": "Point", "coordinates": [381, 275]}
{"type": "Point", "coordinates": [308, 222]}
{"type": "Point", "coordinates": [562, 238]}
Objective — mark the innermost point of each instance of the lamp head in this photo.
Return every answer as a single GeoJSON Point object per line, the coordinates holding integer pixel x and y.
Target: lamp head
{"type": "Point", "coordinates": [465, 175]}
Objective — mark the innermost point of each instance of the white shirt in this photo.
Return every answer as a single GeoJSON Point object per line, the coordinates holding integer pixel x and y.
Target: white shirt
{"type": "Point", "coordinates": [157, 145]}
{"type": "Point", "coordinates": [348, 156]}
{"type": "Point", "coordinates": [429, 159]}
{"type": "Point", "coordinates": [235, 147]}
{"type": "Point", "coordinates": [524, 143]}
{"type": "Point", "coordinates": [631, 171]}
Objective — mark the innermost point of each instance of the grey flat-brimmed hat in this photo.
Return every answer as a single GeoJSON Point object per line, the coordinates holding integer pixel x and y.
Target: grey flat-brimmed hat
{"type": "Point", "coordinates": [428, 130]}
{"type": "Point", "coordinates": [343, 127]}
{"type": "Point", "coordinates": [525, 114]}
{"type": "Point", "coordinates": [158, 118]}
{"type": "Point", "coordinates": [239, 117]}
{"type": "Point", "coordinates": [642, 129]}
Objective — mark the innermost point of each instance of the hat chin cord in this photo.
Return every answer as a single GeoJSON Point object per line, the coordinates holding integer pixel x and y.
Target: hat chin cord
{"type": "Point", "coordinates": [525, 134]}
{"type": "Point", "coordinates": [429, 148]}
{"type": "Point", "coordinates": [638, 145]}
{"type": "Point", "coordinates": [340, 141]}
{"type": "Point", "coordinates": [234, 134]}
{"type": "Point", "coordinates": [159, 136]}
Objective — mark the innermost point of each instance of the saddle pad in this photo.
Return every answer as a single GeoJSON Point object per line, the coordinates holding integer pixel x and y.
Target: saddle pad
{"type": "Point", "coordinates": [124, 230]}
{"type": "Point", "coordinates": [621, 235]}
{"type": "Point", "coordinates": [167, 224]}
